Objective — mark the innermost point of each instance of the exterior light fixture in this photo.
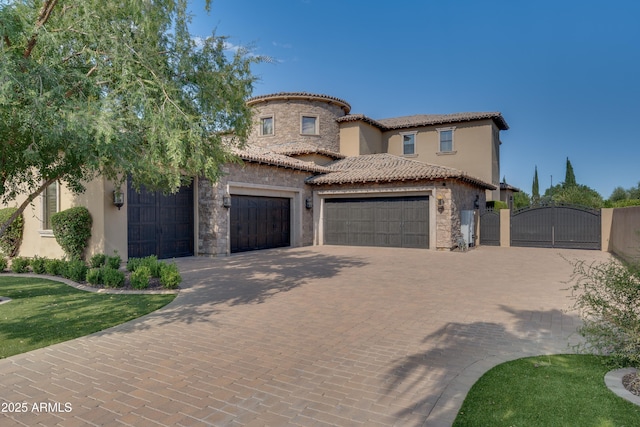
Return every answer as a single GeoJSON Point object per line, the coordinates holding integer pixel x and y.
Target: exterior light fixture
{"type": "Point", "coordinates": [118, 198]}
{"type": "Point", "coordinates": [476, 202]}
{"type": "Point", "coordinates": [226, 201]}
{"type": "Point", "coordinates": [308, 203]}
{"type": "Point", "coordinates": [440, 202]}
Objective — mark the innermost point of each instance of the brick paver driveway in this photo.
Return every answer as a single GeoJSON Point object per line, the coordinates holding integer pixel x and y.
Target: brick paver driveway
{"type": "Point", "coordinates": [308, 336]}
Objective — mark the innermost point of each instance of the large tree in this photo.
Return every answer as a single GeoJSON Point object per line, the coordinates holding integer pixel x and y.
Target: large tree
{"type": "Point", "coordinates": [114, 88]}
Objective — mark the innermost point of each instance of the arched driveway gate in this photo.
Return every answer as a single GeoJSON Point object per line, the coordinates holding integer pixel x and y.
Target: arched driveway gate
{"type": "Point", "coordinates": [556, 226]}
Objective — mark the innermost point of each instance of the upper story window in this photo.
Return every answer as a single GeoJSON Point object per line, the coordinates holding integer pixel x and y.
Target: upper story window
{"type": "Point", "coordinates": [266, 125]}
{"type": "Point", "coordinates": [309, 125]}
{"type": "Point", "coordinates": [446, 140]}
{"type": "Point", "coordinates": [409, 144]}
{"type": "Point", "coordinates": [50, 204]}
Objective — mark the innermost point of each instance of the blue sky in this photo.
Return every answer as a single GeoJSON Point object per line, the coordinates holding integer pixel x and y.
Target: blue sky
{"type": "Point", "coordinates": [564, 74]}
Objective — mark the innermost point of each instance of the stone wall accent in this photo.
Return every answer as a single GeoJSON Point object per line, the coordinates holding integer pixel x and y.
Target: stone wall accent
{"type": "Point", "coordinates": [460, 197]}
{"type": "Point", "coordinates": [213, 218]}
{"type": "Point", "coordinates": [287, 116]}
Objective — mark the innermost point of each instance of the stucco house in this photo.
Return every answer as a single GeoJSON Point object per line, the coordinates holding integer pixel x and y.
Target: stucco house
{"type": "Point", "coordinates": [311, 174]}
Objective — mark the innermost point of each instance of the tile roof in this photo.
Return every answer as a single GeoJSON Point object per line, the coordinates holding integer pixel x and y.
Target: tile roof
{"type": "Point", "coordinates": [505, 186]}
{"type": "Point", "coordinates": [388, 168]}
{"type": "Point", "coordinates": [297, 148]}
{"type": "Point", "coordinates": [264, 156]}
{"type": "Point", "coordinates": [426, 120]}
{"type": "Point", "coordinates": [300, 95]}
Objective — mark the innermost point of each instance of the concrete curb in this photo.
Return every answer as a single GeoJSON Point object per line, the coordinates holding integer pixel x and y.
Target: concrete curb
{"type": "Point", "coordinates": [613, 380]}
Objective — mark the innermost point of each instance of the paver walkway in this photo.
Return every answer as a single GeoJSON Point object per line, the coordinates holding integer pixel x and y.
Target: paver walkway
{"type": "Point", "coordinates": [310, 336]}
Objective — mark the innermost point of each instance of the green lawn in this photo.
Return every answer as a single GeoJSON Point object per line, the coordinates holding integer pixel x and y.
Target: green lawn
{"type": "Point", "coordinates": [560, 390]}
{"type": "Point", "coordinates": [44, 312]}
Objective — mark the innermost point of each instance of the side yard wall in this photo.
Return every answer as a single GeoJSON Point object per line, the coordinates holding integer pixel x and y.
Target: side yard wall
{"type": "Point", "coordinates": [624, 237]}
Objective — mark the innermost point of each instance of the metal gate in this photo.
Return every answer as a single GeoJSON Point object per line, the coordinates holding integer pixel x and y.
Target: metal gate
{"type": "Point", "coordinates": [556, 226]}
{"type": "Point", "coordinates": [490, 228]}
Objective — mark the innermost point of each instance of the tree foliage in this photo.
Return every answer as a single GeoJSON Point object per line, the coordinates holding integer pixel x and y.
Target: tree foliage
{"type": "Point", "coordinates": [569, 177]}
{"type": "Point", "coordinates": [535, 187]}
{"type": "Point", "coordinates": [94, 87]}
{"type": "Point", "coordinates": [607, 295]}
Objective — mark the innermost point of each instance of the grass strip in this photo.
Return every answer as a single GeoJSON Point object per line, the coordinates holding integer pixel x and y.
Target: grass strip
{"type": "Point", "coordinates": [44, 312]}
{"type": "Point", "coordinates": [559, 390]}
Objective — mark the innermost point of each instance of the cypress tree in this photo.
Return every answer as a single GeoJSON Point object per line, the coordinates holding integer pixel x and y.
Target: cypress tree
{"type": "Point", "coordinates": [535, 188]}
{"type": "Point", "coordinates": [569, 178]}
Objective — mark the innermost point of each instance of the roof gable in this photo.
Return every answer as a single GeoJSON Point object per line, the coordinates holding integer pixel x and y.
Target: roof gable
{"type": "Point", "coordinates": [387, 168]}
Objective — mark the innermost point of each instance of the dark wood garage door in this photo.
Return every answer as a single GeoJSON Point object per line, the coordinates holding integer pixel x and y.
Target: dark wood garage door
{"type": "Point", "coordinates": [259, 223]}
{"type": "Point", "coordinates": [160, 224]}
{"type": "Point", "coordinates": [382, 221]}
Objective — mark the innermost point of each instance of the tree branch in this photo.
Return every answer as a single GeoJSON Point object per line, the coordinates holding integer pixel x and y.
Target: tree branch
{"type": "Point", "coordinates": [23, 206]}
{"type": "Point", "coordinates": [45, 14]}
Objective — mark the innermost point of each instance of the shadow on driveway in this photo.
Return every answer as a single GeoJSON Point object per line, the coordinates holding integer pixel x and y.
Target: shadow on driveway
{"type": "Point", "coordinates": [460, 353]}
{"type": "Point", "coordinates": [209, 284]}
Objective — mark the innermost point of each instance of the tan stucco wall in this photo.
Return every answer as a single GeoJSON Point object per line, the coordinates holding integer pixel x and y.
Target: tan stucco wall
{"type": "Point", "coordinates": [359, 138]}
{"type": "Point", "coordinates": [108, 232]}
{"type": "Point", "coordinates": [505, 227]}
{"type": "Point", "coordinates": [624, 240]}
{"type": "Point", "coordinates": [474, 144]}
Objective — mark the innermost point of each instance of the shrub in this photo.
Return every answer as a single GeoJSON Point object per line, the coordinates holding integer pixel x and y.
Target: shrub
{"type": "Point", "coordinates": [75, 270]}
{"type": "Point", "coordinates": [114, 261]}
{"type": "Point", "coordinates": [72, 229]}
{"type": "Point", "coordinates": [10, 240]}
{"type": "Point", "coordinates": [151, 262]}
{"type": "Point", "coordinates": [19, 265]}
{"type": "Point", "coordinates": [38, 265]}
{"type": "Point", "coordinates": [607, 296]}
{"type": "Point", "coordinates": [54, 267]}
{"type": "Point", "coordinates": [3, 264]}
{"type": "Point", "coordinates": [94, 276]}
{"type": "Point", "coordinates": [112, 278]}
{"type": "Point", "coordinates": [170, 276]}
{"type": "Point", "coordinates": [97, 260]}
{"type": "Point", "coordinates": [140, 277]}
{"type": "Point", "coordinates": [133, 263]}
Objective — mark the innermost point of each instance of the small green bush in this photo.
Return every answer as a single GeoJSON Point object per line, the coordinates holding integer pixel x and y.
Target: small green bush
{"type": "Point", "coordinates": [54, 267]}
{"type": "Point", "coordinates": [140, 278]}
{"type": "Point", "coordinates": [112, 278]}
{"type": "Point", "coordinates": [72, 229]}
{"type": "Point", "coordinates": [19, 265]}
{"type": "Point", "coordinates": [97, 260]}
{"type": "Point", "coordinates": [607, 296]}
{"type": "Point", "coordinates": [114, 261]}
{"type": "Point", "coordinates": [75, 270]}
{"type": "Point", "coordinates": [38, 265]}
{"type": "Point", "coordinates": [3, 264]}
{"type": "Point", "coordinates": [133, 263]}
{"type": "Point", "coordinates": [12, 237]}
{"type": "Point", "coordinates": [170, 276]}
{"type": "Point", "coordinates": [94, 276]}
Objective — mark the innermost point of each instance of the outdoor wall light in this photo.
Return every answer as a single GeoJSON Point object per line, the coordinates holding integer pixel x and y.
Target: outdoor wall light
{"type": "Point", "coordinates": [440, 202]}
{"type": "Point", "coordinates": [118, 198]}
{"type": "Point", "coordinates": [226, 201]}
{"type": "Point", "coordinates": [476, 202]}
{"type": "Point", "coordinates": [308, 203]}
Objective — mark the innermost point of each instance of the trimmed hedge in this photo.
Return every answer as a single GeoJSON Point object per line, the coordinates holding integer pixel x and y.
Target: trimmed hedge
{"type": "Point", "coordinates": [72, 230]}
{"type": "Point", "coordinates": [11, 239]}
